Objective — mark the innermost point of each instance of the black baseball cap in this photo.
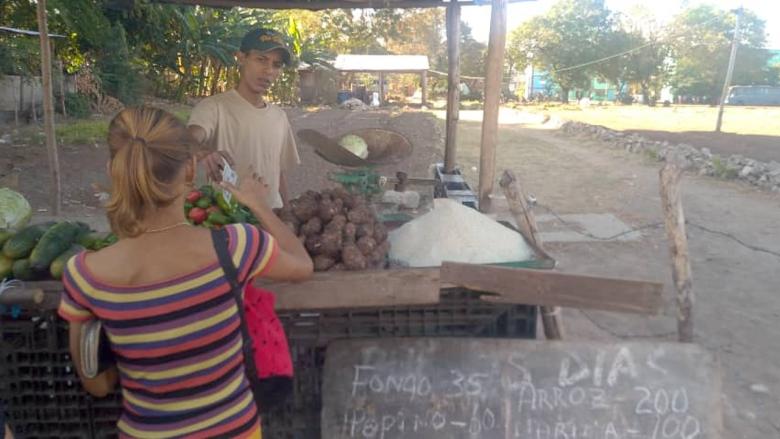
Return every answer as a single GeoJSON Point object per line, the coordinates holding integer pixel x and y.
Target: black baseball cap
{"type": "Point", "coordinates": [265, 40]}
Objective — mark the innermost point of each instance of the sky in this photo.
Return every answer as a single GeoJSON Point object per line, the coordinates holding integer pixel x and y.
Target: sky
{"type": "Point", "coordinates": [478, 17]}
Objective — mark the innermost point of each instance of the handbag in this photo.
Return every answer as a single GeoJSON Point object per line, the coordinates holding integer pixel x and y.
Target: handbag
{"type": "Point", "coordinates": [96, 354]}
{"type": "Point", "coordinates": [264, 341]}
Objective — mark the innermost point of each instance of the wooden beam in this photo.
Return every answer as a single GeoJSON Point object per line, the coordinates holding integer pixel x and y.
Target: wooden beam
{"type": "Point", "coordinates": [358, 289]}
{"type": "Point", "coordinates": [453, 87]}
{"type": "Point", "coordinates": [493, 75]}
{"type": "Point", "coordinates": [526, 222]}
{"type": "Point", "coordinates": [550, 288]}
{"type": "Point", "coordinates": [48, 110]}
{"type": "Point", "coordinates": [319, 4]}
{"type": "Point", "coordinates": [674, 219]}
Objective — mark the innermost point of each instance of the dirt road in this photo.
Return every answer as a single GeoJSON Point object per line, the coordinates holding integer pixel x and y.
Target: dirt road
{"type": "Point", "coordinates": [737, 309]}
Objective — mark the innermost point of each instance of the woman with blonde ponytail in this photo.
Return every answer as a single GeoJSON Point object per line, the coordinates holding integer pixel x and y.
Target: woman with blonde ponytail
{"type": "Point", "coordinates": [161, 294]}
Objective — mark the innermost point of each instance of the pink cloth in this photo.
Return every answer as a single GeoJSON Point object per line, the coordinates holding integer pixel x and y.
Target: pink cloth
{"type": "Point", "coordinates": [272, 353]}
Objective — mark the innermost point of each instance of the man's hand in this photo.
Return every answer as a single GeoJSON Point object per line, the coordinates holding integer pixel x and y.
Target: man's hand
{"type": "Point", "coordinates": [213, 163]}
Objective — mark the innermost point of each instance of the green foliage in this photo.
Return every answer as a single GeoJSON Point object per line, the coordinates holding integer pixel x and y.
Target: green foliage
{"type": "Point", "coordinates": [117, 73]}
{"type": "Point", "coordinates": [77, 105]}
{"type": "Point", "coordinates": [702, 53]}
{"type": "Point", "coordinates": [573, 32]}
{"type": "Point", "coordinates": [82, 132]}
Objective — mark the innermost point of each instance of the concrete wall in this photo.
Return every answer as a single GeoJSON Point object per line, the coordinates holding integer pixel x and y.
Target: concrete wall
{"type": "Point", "coordinates": [30, 90]}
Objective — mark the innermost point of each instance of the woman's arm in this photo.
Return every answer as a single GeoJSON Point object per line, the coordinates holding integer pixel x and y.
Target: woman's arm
{"type": "Point", "coordinates": [101, 385]}
{"type": "Point", "coordinates": [292, 263]}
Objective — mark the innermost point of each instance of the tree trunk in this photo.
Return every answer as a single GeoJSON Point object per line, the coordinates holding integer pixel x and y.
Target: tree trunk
{"type": "Point", "coordinates": [645, 94]}
{"type": "Point", "coordinates": [215, 80]}
{"type": "Point", "coordinates": [564, 95]}
{"type": "Point", "coordinates": [202, 77]}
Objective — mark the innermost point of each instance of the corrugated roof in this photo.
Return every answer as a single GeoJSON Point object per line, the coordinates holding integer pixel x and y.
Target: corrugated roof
{"type": "Point", "coordinates": [381, 63]}
{"type": "Point", "coordinates": [27, 32]}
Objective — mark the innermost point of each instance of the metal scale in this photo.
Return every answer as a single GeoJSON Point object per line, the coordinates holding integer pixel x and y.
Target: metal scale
{"type": "Point", "coordinates": [359, 175]}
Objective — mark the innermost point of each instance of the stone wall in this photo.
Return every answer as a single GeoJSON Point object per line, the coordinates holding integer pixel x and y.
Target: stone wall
{"type": "Point", "coordinates": [761, 174]}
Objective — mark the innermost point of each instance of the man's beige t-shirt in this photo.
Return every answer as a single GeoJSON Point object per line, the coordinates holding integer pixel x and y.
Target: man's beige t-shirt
{"type": "Point", "coordinates": [261, 138]}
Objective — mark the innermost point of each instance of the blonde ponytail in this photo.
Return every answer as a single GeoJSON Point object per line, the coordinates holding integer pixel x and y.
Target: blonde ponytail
{"type": "Point", "coordinates": [149, 148]}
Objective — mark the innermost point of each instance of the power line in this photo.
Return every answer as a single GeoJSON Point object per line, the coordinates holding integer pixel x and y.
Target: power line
{"type": "Point", "coordinates": [626, 52]}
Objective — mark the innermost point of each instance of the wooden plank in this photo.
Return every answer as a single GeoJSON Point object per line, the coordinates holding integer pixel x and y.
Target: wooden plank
{"type": "Point", "coordinates": [493, 75]}
{"type": "Point", "coordinates": [549, 288]}
{"type": "Point", "coordinates": [453, 87]}
{"type": "Point", "coordinates": [551, 316]}
{"type": "Point", "coordinates": [358, 289]}
{"type": "Point", "coordinates": [674, 219]}
{"type": "Point", "coordinates": [48, 111]}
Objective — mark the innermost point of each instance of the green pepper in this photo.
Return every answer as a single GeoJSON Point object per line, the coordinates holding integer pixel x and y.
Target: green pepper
{"type": "Point", "coordinates": [227, 206]}
{"type": "Point", "coordinates": [187, 206]}
{"type": "Point", "coordinates": [207, 224]}
{"type": "Point", "coordinates": [218, 218]}
{"type": "Point", "coordinates": [204, 202]}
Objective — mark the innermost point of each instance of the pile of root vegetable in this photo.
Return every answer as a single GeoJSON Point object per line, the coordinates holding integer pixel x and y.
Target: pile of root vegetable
{"type": "Point", "coordinates": [339, 230]}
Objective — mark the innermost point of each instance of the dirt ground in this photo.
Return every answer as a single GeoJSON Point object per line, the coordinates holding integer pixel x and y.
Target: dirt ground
{"type": "Point", "coordinates": [737, 308]}
{"type": "Point", "coordinates": [749, 131]}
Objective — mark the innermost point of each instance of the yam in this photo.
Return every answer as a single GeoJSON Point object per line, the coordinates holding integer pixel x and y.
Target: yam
{"type": "Point", "coordinates": [360, 215]}
{"type": "Point", "coordinates": [380, 232]}
{"type": "Point", "coordinates": [313, 244]}
{"type": "Point", "coordinates": [327, 210]}
{"type": "Point", "coordinates": [367, 245]}
{"type": "Point", "coordinates": [331, 243]}
{"type": "Point", "coordinates": [312, 227]}
{"type": "Point", "coordinates": [336, 224]}
{"type": "Point", "coordinates": [350, 232]}
{"type": "Point", "coordinates": [304, 208]}
{"type": "Point", "coordinates": [353, 258]}
{"type": "Point", "coordinates": [366, 229]}
{"type": "Point", "coordinates": [323, 262]}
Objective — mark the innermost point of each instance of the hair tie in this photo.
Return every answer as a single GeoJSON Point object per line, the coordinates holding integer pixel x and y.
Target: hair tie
{"type": "Point", "coordinates": [139, 139]}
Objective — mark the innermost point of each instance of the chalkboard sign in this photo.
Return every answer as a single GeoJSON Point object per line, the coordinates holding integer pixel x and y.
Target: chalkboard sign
{"type": "Point", "coordinates": [492, 388]}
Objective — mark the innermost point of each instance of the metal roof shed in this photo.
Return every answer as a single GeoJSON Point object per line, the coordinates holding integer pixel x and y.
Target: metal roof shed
{"type": "Point", "coordinates": [385, 64]}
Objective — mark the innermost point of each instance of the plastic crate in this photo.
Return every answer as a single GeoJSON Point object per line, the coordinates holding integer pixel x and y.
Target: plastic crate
{"type": "Point", "coordinates": [459, 313]}
{"type": "Point", "coordinates": [43, 398]}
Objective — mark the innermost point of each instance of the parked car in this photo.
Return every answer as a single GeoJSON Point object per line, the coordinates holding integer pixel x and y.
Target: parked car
{"type": "Point", "coordinates": [753, 95]}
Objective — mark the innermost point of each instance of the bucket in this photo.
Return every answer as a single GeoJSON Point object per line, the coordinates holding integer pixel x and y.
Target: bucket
{"type": "Point", "coordinates": [342, 96]}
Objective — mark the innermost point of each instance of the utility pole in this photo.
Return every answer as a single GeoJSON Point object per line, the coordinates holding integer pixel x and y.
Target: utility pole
{"type": "Point", "coordinates": [729, 72]}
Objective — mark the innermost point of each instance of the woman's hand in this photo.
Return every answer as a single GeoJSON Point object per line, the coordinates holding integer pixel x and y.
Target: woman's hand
{"type": "Point", "coordinates": [252, 189]}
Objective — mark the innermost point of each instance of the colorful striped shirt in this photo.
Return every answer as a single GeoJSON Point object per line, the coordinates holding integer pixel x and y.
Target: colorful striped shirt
{"type": "Point", "coordinates": [177, 343]}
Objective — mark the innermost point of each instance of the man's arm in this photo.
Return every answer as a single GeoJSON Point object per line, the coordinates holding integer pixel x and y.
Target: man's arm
{"type": "Point", "coordinates": [283, 191]}
{"type": "Point", "coordinates": [212, 160]}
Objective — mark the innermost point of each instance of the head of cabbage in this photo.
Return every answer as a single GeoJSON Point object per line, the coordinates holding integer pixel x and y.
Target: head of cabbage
{"type": "Point", "coordinates": [354, 144]}
{"type": "Point", "coordinates": [15, 211]}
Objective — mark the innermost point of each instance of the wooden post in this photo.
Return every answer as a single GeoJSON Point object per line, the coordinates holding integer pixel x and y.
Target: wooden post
{"type": "Point", "coordinates": [18, 107]}
{"type": "Point", "coordinates": [48, 109]}
{"type": "Point", "coordinates": [381, 88]}
{"type": "Point", "coordinates": [674, 219]}
{"type": "Point", "coordinates": [729, 72]}
{"type": "Point", "coordinates": [424, 87]}
{"type": "Point", "coordinates": [551, 315]}
{"type": "Point", "coordinates": [493, 76]}
{"type": "Point", "coordinates": [453, 86]}
{"type": "Point", "coordinates": [62, 87]}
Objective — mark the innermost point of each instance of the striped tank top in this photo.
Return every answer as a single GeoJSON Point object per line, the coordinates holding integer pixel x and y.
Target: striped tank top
{"type": "Point", "coordinates": [177, 343]}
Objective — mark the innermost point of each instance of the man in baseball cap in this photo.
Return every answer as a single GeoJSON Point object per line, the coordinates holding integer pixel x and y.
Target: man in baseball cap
{"type": "Point", "coordinates": [265, 40]}
{"type": "Point", "coordinates": [241, 126]}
